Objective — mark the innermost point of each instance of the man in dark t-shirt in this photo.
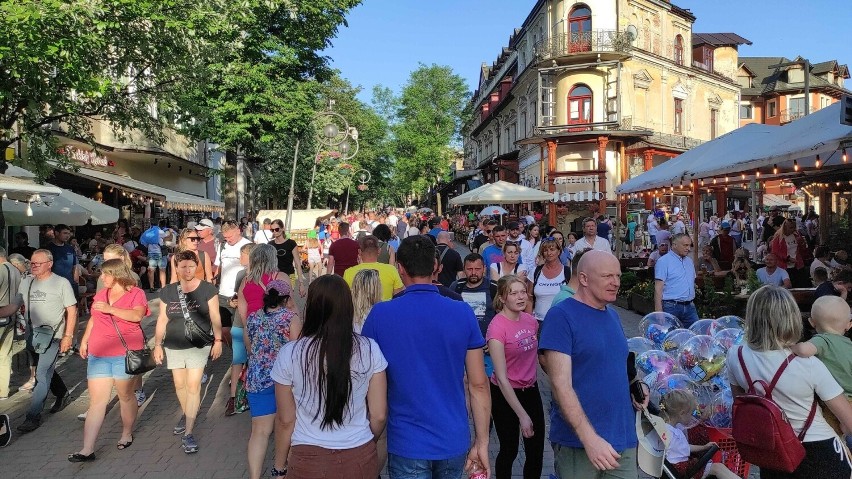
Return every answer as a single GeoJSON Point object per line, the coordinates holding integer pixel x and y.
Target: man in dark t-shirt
{"type": "Point", "coordinates": [22, 245]}
{"type": "Point", "coordinates": [450, 259]}
{"type": "Point", "coordinates": [64, 256]}
{"type": "Point", "coordinates": [343, 253]}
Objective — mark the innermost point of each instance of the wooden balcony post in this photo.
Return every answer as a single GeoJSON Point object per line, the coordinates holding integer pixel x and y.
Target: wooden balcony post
{"type": "Point", "coordinates": [649, 163]}
{"type": "Point", "coordinates": [602, 141]}
{"type": "Point", "coordinates": [551, 168]}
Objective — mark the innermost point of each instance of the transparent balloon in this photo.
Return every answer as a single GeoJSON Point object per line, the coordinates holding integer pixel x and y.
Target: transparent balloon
{"type": "Point", "coordinates": [655, 361]}
{"type": "Point", "coordinates": [661, 384]}
{"type": "Point", "coordinates": [639, 345]}
{"type": "Point", "coordinates": [702, 326]}
{"type": "Point", "coordinates": [675, 340]}
{"type": "Point", "coordinates": [726, 322]}
{"type": "Point", "coordinates": [728, 338]}
{"type": "Point", "coordinates": [705, 395]}
{"type": "Point", "coordinates": [655, 326]}
{"type": "Point", "coordinates": [720, 415]}
{"type": "Point", "coordinates": [701, 359]}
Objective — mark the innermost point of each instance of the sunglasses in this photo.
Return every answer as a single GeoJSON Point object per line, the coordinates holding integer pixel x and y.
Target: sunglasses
{"type": "Point", "coordinates": [275, 230]}
{"type": "Point", "coordinates": [194, 238]}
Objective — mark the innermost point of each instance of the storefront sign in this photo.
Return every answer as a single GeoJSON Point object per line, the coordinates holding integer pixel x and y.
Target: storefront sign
{"type": "Point", "coordinates": [87, 158]}
{"type": "Point", "coordinates": [578, 196]}
{"type": "Point", "coordinates": [575, 180]}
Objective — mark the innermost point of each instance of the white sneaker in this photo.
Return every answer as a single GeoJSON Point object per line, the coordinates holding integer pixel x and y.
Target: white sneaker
{"type": "Point", "coordinates": [82, 417]}
{"type": "Point", "coordinates": [140, 397]}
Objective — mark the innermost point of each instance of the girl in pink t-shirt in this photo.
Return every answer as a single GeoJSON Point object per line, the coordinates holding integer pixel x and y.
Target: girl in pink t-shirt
{"type": "Point", "coordinates": [516, 401]}
{"type": "Point", "coordinates": [118, 308]}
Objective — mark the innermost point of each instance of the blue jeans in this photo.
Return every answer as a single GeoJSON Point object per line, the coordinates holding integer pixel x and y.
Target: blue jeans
{"type": "Point", "coordinates": [404, 468]}
{"type": "Point", "coordinates": [44, 375]}
{"type": "Point", "coordinates": [686, 313]}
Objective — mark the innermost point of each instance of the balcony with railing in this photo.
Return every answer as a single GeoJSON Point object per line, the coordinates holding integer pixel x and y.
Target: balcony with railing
{"type": "Point", "coordinates": [578, 44]}
{"type": "Point", "coordinates": [793, 114]}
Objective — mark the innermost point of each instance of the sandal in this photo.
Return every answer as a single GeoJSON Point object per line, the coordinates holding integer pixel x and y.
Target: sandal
{"type": "Point", "coordinates": [77, 457]}
{"type": "Point", "coordinates": [124, 445]}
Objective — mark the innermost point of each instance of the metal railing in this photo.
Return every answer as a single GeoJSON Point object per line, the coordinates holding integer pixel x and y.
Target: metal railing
{"type": "Point", "coordinates": [792, 114]}
{"type": "Point", "coordinates": [674, 141]}
{"type": "Point", "coordinates": [592, 41]}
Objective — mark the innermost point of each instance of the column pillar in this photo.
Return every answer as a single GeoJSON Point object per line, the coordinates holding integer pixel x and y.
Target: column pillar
{"type": "Point", "coordinates": [551, 168]}
{"type": "Point", "coordinates": [602, 141]}
{"type": "Point", "coordinates": [721, 202]}
{"type": "Point", "coordinates": [649, 163]}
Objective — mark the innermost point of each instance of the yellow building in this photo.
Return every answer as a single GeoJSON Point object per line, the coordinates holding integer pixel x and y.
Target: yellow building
{"type": "Point", "coordinates": [587, 95]}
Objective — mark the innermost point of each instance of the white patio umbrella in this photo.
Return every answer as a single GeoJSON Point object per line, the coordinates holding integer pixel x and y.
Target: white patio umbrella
{"type": "Point", "coordinates": [501, 192]}
{"type": "Point", "coordinates": [493, 210]}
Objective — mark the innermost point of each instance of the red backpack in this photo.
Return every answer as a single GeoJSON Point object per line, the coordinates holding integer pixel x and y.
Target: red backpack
{"type": "Point", "coordinates": [761, 430]}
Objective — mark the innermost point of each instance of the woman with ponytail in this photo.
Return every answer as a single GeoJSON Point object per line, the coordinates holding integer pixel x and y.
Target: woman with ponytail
{"type": "Point", "coordinates": [266, 332]}
{"type": "Point", "coordinates": [325, 382]}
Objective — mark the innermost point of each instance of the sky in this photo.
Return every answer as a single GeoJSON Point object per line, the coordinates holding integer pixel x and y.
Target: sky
{"type": "Point", "coordinates": [387, 39]}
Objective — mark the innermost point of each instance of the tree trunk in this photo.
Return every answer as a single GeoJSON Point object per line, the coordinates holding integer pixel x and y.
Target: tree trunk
{"type": "Point", "coordinates": [229, 185]}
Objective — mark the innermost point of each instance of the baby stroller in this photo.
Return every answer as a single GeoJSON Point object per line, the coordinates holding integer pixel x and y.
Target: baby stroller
{"type": "Point", "coordinates": [653, 443]}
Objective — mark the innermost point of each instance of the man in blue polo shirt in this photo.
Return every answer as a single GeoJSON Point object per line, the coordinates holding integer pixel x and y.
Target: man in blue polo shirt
{"type": "Point", "coordinates": [674, 285]}
{"type": "Point", "coordinates": [430, 343]}
{"type": "Point", "coordinates": [592, 422]}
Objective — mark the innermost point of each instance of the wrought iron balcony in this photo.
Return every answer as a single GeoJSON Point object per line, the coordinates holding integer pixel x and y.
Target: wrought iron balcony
{"type": "Point", "coordinates": [579, 43]}
{"type": "Point", "coordinates": [793, 114]}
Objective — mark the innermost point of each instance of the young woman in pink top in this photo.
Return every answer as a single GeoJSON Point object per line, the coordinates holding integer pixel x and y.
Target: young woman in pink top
{"type": "Point", "coordinates": [118, 308]}
{"type": "Point", "coordinates": [515, 398]}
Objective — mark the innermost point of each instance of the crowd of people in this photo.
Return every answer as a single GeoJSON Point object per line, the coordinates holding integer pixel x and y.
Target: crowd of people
{"type": "Point", "coordinates": [402, 339]}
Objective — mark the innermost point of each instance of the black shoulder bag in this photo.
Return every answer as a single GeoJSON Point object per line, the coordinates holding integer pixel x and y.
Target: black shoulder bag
{"type": "Point", "coordinates": [193, 333]}
{"type": "Point", "coordinates": [136, 361]}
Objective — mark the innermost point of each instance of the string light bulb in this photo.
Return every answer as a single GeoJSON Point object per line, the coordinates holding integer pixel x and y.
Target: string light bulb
{"type": "Point", "coordinates": [795, 165]}
{"type": "Point", "coordinates": [817, 162]}
{"type": "Point", "coordinates": [714, 181]}
{"type": "Point", "coordinates": [743, 176]}
{"type": "Point", "coordinates": [702, 181]}
{"type": "Point", "coordinates": [774, 169]}
{"type": "Point", "coordinates": [757, 174]}
{"type": "Point", "coordinates": [845, 158]}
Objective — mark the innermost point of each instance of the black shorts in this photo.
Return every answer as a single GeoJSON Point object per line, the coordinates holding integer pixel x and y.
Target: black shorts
{"type": "Point", "coordinates": [825, 459]}
{"type": "Point", "coordinates": [226, 312]}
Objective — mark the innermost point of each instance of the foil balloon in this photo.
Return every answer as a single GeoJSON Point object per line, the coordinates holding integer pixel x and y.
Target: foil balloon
{"type": "Point", "coordinates": [654, 361]}
{"type": "Point", "coordinates": [675, 340]}
{"type": "Point", "coordinates": [728, 338]}
{"type": "Point", "coordinates": [726, 322]}
{"type": "Point", "coordinates": [701, 359]}
{"type": "Point", "coordinates": [663, 384]}
{"type": "Point", "coordinates": [639, 345]}
{"type": "Point", "coordinates": [655, 326]}
{"type": "Point", "coordinates": [721, 410]}
{"type": "Point", "coordinates": [702, 327]}
{"type": "Point", "coordinates": [704, 394]}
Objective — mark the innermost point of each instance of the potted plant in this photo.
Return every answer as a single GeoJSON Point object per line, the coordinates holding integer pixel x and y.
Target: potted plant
{"type": "Point", "coordinates": [628, 282]}
{"type": "Point", "coordinates": [642, 297]}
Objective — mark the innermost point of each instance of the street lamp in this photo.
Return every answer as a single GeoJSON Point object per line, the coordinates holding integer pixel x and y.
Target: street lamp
{"type": "Point", "coordinates": [335, 135]}
{"type": "Point", "coordinates": [363, 179]}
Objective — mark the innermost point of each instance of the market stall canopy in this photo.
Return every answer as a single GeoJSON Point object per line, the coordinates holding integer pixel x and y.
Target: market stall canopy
{"type": "Point", "coordinates": [302, 219]}
{"type": "Point", "coordinates": [501, 192]}
{"type": "Point", "coordinates": [788, 148]}
{"type": "Point", "coordinates": [25, 189]}
{"type": "Point", "coordinates": [100, 214]}
{"type": "Point", "coordinates": [732, 148]}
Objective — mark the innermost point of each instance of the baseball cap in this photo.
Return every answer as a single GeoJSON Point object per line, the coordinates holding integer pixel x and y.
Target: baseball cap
{"type": "Point", "coordinates": [654, 439]}
{"type": "Point", "coordinates": [282, 287]}
{"type": "Point", "coordinates": [204, 224]}
{"type": "Point", "coordinates": [726, 225]}
{"type": "Point", "coordinates": [513, 225]}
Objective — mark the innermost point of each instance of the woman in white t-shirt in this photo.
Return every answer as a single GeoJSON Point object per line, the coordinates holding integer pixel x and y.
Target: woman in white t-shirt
{"type": "Point", "coordinates": [324, 383]}
{"type": "Point", "coordinates": [509, 265]}
{"type": "Point", "coordinates": [529, 247]}
{"type": "Point", "coordinates": [549, 281]}
{"type": "Point", "coordinates": [773, 325]}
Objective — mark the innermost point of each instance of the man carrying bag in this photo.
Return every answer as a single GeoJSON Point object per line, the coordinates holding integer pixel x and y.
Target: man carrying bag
{"type": "Point", "coordinates": [51, 309]}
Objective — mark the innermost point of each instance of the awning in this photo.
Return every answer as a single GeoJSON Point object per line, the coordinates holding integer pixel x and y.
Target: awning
{"type": "Point", "coordinates": [174, 199]}
{"type": "Point", "coordinates": [503, 193]}
{"type": "Point", "coordinates": [101, 214]}
{"type": "Point", "coordinates": [770, 200]}
{"type": "Point", "coordinates": [24, 189]}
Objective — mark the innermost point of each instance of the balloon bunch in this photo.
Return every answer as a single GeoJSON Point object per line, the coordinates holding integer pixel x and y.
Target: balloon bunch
{"type": "Point", "coordinates": [670, 357]}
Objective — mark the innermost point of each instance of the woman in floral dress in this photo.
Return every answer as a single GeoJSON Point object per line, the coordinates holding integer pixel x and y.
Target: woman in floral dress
{"type": "Point", "coordinates": [266, 331]}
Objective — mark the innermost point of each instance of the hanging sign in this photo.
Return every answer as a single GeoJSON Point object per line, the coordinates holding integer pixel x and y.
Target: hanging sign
{"type": "Point", "coordinates": [87, 158]}
{"type": "Point", "coordinates": [578, 196]}
{"type": "Point", "coordinates": [575, 180]}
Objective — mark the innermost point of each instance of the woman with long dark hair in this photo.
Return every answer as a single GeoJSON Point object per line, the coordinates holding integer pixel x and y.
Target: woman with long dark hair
{"type": "Point", "coordinates": [529, 247]}
{"type": "Point", "coordinates": [266, 332]}
{"type": "Point", "coordinates": [324, 383]}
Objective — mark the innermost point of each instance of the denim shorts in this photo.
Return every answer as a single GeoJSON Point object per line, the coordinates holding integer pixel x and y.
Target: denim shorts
{"type": "Point", "coordinates": [262, 403]}
{"type": "Point", "coordinates": [238, 346]}
{"type": "Point", "coordinates": [158, 261]}
{"type": "Point", "coordinates": [106, 367]}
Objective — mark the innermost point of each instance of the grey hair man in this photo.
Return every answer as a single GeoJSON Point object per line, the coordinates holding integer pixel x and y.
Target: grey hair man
{"type": "Point", "coordinates": [451, 266]}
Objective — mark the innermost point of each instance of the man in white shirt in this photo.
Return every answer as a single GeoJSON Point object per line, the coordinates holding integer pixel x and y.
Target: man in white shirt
{"type": "Point", "coordinates": [772, 274]}
{"type": "Point", "coordinates": [228, 264]}
{"type": "Point", "coordinates": [652, 228]}
{"type": "Point", "coordinates": [263, 235]}
{"type": "Point", "coordinates": [591, 239]}
{"type": "Point", "coordinates": [679, 228]}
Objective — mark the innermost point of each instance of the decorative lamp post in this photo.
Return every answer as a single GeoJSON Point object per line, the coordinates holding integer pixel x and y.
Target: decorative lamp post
{"type": "Point", "coordinates": [336, 140]}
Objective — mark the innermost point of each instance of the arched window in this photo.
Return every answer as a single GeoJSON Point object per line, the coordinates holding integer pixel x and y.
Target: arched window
{"type": "Point", "coordinates": [678, 50]}
{"type": "Point", "coordinates": [579, 105]}
{"type": "Point", "coordinates": [580, 29]}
